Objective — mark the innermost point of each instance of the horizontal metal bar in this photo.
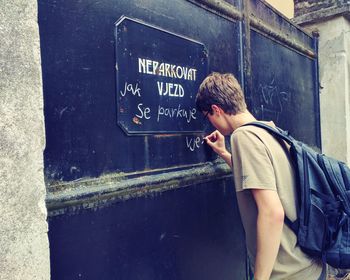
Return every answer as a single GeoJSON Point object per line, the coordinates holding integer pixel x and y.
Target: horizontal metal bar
{"type": "Point", "coordinates": [219, 7]}
{"type": "Point", "coordinates": [277, 35]}
{"type": "Point", "coordinates": [229, 11]}
{"type": "Point", "coordinates": [96, 192]}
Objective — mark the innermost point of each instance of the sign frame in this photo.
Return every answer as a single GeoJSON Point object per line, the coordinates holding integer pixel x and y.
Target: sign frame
{"type": "Point", "coordinates": [199, 117]}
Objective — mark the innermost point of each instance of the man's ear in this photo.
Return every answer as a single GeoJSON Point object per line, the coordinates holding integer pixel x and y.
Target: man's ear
{"type": "Point", "coordinates": [216, 109]}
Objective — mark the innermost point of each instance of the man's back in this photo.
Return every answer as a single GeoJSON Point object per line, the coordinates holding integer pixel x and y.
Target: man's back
{"type": "Point", "coordinates": [260, 162]}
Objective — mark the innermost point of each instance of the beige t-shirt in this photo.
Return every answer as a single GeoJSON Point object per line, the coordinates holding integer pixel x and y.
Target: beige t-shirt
{"type": "Point", "coordinates": [260, 162]}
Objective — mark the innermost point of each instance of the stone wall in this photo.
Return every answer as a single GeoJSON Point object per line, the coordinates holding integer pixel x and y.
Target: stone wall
{"type": "Point", "coordinates": [312, 11]}
{"type": "Point", "coordinates": [331, 20]}
{"type": "Point", "coordinates": [24, 248]}
{"type": "Point", "coordinates": [308, 6]}
{"type": "Point", "coordinates": [334, 94]}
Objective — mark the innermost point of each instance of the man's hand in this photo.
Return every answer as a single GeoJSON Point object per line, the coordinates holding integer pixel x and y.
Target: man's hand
{"type": "Point", "coordinates": [217, 142]}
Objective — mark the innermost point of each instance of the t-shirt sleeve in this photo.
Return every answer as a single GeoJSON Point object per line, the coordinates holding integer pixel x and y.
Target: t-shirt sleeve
{"type": "Point", "coordinates": [252, 163]}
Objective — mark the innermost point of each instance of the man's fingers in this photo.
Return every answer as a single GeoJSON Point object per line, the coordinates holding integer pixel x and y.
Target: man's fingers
{"type": "Point", "coordinates": [210, 143]}
{"type": "Point", "coordinates": [212, 137]}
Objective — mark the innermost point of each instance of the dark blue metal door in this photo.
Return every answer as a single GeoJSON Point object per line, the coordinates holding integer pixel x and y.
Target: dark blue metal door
{"type": "Point", "coordinates": [132, 191]}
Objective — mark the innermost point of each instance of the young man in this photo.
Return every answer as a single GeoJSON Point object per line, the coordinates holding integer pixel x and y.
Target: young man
{"type": "Point", "coordinates": [263, 178]}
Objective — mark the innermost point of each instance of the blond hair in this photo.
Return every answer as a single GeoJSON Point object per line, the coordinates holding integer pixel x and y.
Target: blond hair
{"type": "Point", "coordinates": [222, 90]}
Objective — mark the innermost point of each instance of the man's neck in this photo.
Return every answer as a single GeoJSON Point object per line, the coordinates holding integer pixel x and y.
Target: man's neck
{"type": "Point", "coordinates": [241, 119]}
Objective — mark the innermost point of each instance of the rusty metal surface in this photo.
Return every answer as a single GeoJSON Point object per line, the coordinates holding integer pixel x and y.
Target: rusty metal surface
{"type": "Point", "coordinates": [73, 196]}
{"type": "Point", "coordinates": [284, 36]}
{"type": "Point", "coordinates": [279, 36]}
{"type": "Point", "coordinates": [220, 7]}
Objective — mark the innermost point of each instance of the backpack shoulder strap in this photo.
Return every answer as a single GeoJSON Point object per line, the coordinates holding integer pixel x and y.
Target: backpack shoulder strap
{"type": "Point", "coordinates": [276, 132]}
{"type": "Point", "coordinates": [284, 135]}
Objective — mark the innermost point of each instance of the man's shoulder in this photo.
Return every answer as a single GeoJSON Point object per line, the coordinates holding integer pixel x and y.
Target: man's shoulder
{"type": "Point", "coordinates": [251, 131]}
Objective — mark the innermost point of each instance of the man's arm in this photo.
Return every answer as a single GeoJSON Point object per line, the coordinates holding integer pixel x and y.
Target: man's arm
{"type": "Point", "coordinates": [217, 142]}
{"type": "Point", "coordinates": [269, 230]}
